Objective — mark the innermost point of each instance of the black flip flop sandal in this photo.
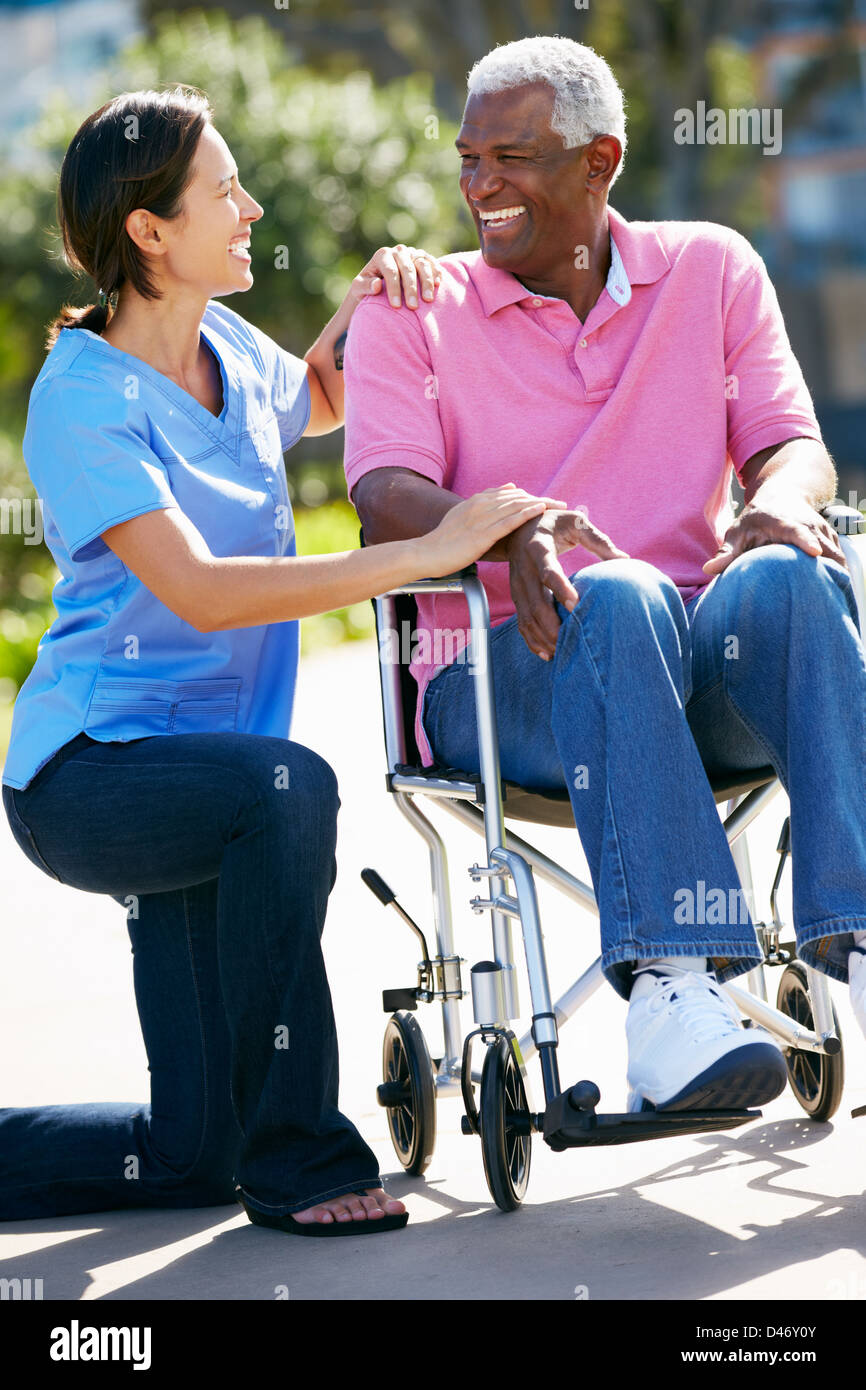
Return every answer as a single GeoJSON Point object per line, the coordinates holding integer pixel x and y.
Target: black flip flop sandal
{"type": "Point", "coordinates": [393, 1222]}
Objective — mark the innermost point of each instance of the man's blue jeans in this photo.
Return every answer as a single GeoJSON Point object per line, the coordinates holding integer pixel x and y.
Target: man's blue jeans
{"type": "Point", "coordinates": [221, 848]}
{"type": "Point", "coordinates": [644, 697]}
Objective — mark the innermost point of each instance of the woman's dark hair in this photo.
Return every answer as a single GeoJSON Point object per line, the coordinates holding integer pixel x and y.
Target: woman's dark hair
{"type": "Point", "coordinates": [136, 151]}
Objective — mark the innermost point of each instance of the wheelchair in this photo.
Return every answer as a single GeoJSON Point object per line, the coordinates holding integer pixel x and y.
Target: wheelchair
{"type": "Point", "coordinates": [803, 1019]}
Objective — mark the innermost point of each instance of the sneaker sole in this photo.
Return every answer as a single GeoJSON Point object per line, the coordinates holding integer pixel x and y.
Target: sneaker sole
{"type": "Point", "coordinates": [753, 1075]}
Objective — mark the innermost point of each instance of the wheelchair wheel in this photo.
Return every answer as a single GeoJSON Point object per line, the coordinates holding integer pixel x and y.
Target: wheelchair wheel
{"type": "Point", "coordinates": [815, 1078]}
{"type": "Point", "coordinates": [408, 1074]}
{"type": "Point", "coordinates": [506, 1137]}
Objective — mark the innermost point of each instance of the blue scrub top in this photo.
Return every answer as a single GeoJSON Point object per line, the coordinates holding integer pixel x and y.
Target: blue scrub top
{"type": "Point", "coordinates": [108, 438]}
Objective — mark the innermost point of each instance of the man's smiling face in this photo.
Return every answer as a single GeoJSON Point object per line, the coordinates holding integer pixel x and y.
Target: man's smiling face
{"type": "Point", "coordinates": [512, 162]}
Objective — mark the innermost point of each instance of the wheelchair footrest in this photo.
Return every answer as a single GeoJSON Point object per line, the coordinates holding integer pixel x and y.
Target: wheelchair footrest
{"type": "Point", "coordinates": [565, 1127]}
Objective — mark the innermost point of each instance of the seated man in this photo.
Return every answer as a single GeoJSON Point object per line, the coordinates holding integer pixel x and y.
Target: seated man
{"type": "Point", "coordinates": [628, 367]}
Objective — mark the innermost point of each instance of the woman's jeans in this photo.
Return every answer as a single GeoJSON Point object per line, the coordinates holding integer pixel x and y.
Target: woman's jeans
{"type": "Point", "coordinates": [646, 695]}
{"type": "Point", "coordinates": [220, 846]}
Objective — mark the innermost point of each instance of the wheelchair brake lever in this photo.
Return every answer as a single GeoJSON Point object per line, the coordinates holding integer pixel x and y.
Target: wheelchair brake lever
{"type": "Point", "coordinates": [388, 898]}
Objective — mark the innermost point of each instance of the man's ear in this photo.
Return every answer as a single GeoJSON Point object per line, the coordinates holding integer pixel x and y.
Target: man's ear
{"type": "Point", "coordinates": [603, 155]}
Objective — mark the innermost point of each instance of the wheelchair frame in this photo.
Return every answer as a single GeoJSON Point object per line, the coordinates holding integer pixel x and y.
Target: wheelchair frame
{"type": "Point", "coordinates": [807, 1028]}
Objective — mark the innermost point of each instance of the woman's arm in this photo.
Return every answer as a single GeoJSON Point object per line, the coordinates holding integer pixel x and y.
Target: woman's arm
{"type": "Point", "coordinates": [398, 268]}
{"type": "Point", "coordinates": [213, 593]}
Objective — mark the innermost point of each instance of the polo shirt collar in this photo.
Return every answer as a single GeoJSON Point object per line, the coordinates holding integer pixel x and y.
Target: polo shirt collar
{"type": "Point", "coordinates": [618, 285]}
{"type": "Point", "coordinates": [644, 259]}
{"type": "Point", "coordinates": [637, 257]}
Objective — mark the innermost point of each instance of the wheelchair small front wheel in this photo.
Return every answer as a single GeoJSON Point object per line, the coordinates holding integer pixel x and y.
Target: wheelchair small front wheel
{"type": "Point", "coordinates": [816, 1078]}
{"type": "Point", "coordinates": [408, 1081]}
{"type": "Point", "coordinates": [506, 1133]}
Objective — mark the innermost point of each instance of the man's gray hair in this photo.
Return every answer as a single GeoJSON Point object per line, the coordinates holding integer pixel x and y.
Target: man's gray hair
{"type": "Point", "coordinates": [588, 100]}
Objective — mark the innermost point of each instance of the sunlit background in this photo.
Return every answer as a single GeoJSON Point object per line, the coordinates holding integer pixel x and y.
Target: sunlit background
{"type": "Point", "coordinates": [342, 120]}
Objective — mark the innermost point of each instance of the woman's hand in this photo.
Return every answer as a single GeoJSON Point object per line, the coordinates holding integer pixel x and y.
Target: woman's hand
{"type": "Point", "coordinates": [399, 269]}
{"type": "Point", "coordinates": [472, 527]}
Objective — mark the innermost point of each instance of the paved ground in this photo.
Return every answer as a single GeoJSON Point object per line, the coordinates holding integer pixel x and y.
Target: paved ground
{"type": "Point", "coordinates": [768, 1212]}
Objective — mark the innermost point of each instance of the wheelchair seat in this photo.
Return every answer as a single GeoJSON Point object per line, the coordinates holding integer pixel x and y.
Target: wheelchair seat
{"type": "Point", "coordinates": [552, 806]}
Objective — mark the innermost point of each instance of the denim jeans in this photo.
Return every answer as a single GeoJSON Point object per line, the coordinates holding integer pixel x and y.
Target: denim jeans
{"type": "Point", "coordinates": [644, 698]}
{"type": "Point", "coordinates": [221, 848]}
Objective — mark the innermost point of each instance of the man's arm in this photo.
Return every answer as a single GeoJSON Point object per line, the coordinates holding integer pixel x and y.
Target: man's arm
{"type": "Point", "coordinates": [399, 504]}
{"type": "Point", "coordinates": [784, 487]}
{"type": "Point", "coordinates": [785, 483]}
{"type": "Point", "coordinates": [798, 465]}
{"type": "Point", "coordinates": [389, 416]}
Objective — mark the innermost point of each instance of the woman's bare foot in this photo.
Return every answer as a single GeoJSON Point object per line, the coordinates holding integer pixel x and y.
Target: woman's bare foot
{"type": "Point", "coordinates": [371, 1205]}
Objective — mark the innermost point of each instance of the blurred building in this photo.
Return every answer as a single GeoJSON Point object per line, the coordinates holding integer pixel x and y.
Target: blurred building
{"type": "Point", "coordinates": [54, 45]}
{"type": "Point", "coordinates": [811, 56]}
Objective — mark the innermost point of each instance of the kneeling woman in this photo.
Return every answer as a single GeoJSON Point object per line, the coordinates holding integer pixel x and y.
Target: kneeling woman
{"type": "Point", "coordinates": [149, 757]}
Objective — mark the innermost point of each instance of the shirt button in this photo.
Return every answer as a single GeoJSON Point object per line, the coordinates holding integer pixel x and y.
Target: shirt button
{"type": "Point", "coordinates": [583, 342]}
{"type": "Point", "coordinates": [536, 303]}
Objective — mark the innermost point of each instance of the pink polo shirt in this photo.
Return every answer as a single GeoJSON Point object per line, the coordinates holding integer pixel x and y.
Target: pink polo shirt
{"type": "Point", "coordinates": [681, 372]}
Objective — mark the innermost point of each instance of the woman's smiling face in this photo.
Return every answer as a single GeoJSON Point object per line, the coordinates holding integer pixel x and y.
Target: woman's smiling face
{"type": "Point", "coordinates": [207, 247]}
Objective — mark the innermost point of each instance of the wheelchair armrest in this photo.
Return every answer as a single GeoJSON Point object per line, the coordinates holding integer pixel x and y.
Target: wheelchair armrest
{"type": "Point", "coordinates": [451, 581]}
{"type": "Point", "coordinates": [850, 526]}
{"type": "Point", "coordinates": [447, 583]}
{"type": "Point", "coordinates": [847, 521]}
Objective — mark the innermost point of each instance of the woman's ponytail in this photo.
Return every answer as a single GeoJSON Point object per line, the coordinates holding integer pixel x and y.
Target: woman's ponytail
{"type": "Point", "coordinates": [96, 317]}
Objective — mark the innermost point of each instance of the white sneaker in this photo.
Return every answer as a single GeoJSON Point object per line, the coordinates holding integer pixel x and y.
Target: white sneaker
{"type": "Point", "coordinates": [688, 1049]}
{"type": "Point", "coordinates": [857, 984]}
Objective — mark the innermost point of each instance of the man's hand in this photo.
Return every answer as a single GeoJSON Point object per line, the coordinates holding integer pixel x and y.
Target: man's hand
{"type": "Point", "coordinates": [775, 514]}
{"type": "Point", "coordinates": [474, 525]}
{"type": "Point", "coordinates": [537, 578]}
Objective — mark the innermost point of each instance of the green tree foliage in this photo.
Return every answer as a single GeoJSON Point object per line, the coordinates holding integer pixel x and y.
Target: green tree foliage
{"type": "Point", "coordinates": [666, 54]}
{"type": "Point", "coordinates": [340, 168]}
{"type": "Point", "coordinates": [339, 165]}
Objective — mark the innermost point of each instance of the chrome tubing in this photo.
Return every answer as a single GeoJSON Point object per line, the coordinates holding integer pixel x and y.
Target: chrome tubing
{"type": "Point", "coordinates": [539, 862]}
{"type": "Point", "coordinates": [749, 808]}
{"type": "Point", "coordinates": [743, 865]}
{"type": "Point", "coordinates": [452, 1060]}
{"type": "Point", "coordinates": [481, 671]}
{"type": "Point", "coordinates": [395, 742]}
{"type": "Point", "coordinates": [803, 1039]}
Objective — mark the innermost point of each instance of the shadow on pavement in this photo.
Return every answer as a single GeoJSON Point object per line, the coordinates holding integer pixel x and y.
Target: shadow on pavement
{"type": "Point", "coordinates": [620, 1242]}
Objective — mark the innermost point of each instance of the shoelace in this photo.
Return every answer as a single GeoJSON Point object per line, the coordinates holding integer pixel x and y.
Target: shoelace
{"type": "Point", "coordinates": [705, 1018]}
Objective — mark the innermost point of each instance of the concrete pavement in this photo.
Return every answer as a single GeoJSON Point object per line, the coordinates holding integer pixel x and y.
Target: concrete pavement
{"type": "Point", "coordinates": [770, 1211]}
